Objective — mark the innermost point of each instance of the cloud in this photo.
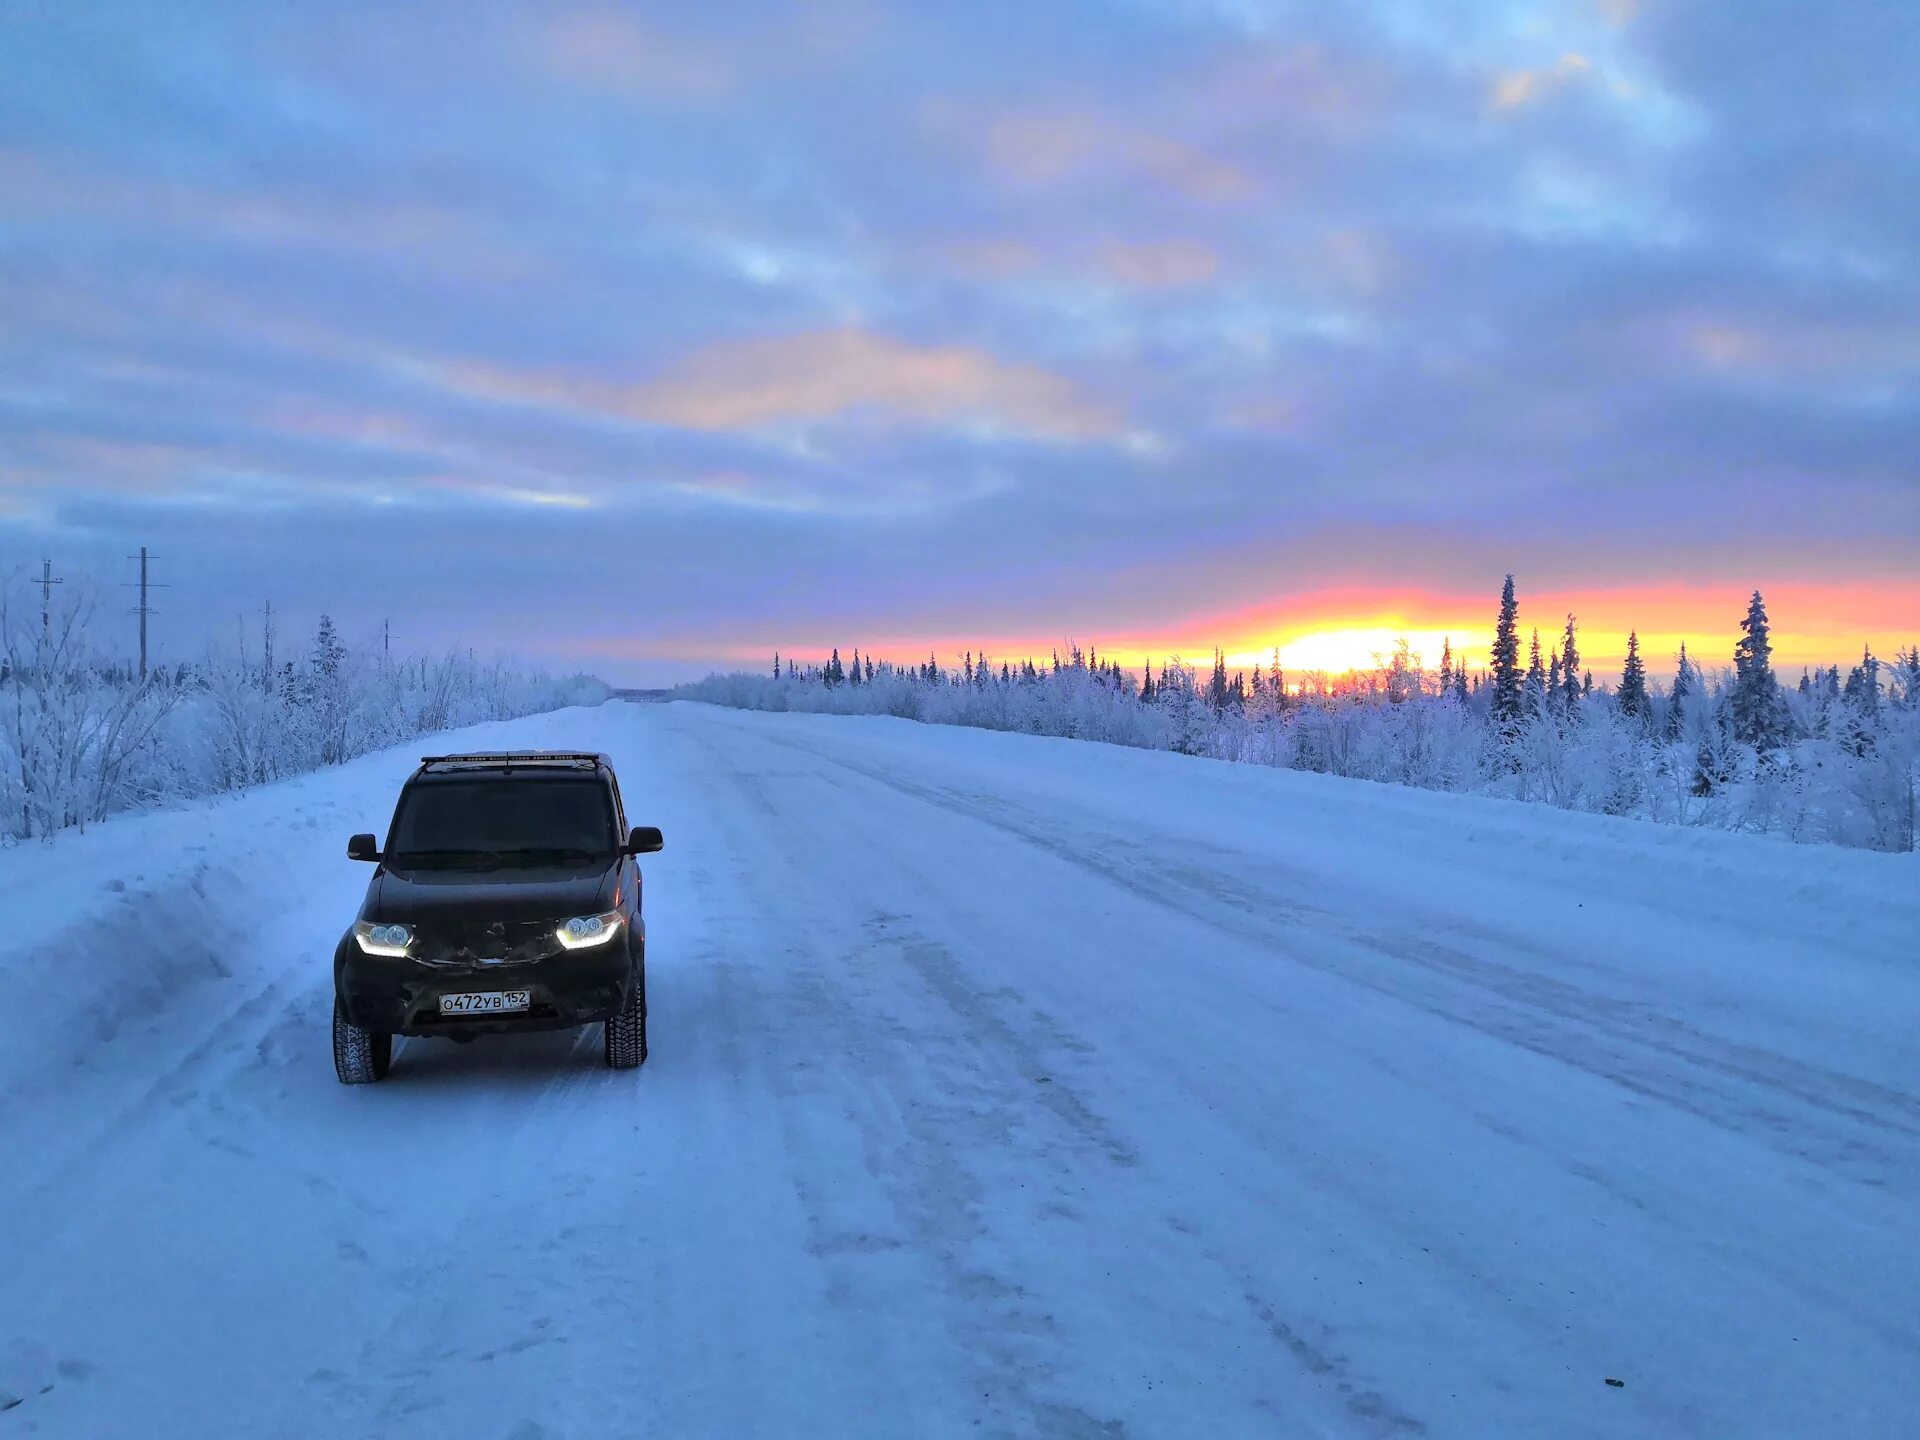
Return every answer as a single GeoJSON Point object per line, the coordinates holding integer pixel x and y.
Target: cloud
{"type": "Point", "coordinates": [611, 50]}
{"type": "Point", "coordinates": [1162, 265]}
{"type": "Point", "coordinates": [1809, 352]}
{"type": "Point", "coordinates": [278, 221]}
{"type": "Point", "coordinates": [614, 52]}
{"type": "Point", "coordinates": [765, 382]}
{"type": "Point", "coordinates": [1514, 89]}
{"type": "Point", "coordinates": [996, 259]}
{"type": "Point", "coordinates": [1038, 146]}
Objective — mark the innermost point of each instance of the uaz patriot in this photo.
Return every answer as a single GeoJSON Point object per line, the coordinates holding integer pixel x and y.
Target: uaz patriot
{"type": "Point", "coordinates": [507, 898]}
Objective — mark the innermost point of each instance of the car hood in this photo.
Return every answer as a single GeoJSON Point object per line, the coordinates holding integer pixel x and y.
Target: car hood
{"type": "Point", "coordinates": [433, 897]}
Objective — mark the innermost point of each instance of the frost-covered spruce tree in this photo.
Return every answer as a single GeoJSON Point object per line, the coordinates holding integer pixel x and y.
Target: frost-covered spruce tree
{"type": "Point", "coordinates": [1680, 696]}
{"type": "Point", "coordinates": [1505, 666]}
{"type": "Point", "coordinates": [1903, 681]}
{"type": "Point", "coordinates": [1186, 711]}
{"type": "Point", "coordinates": [1570, 692]}
{"type": "Point", "coordinates": [1757, 715]}
{"type": "Point", "coordinates": [1632, 694]}
{"type": "Point", "coordinates": [1217, 685]}
{"type": "Point", "coordinates": [1446, 664]}
{"type": "Point", "coordinates": [1534, 701]}
{"type": "Point", "coordinates": [329, 694]}
{"type": "Point", "coordinates": [1859, 711]}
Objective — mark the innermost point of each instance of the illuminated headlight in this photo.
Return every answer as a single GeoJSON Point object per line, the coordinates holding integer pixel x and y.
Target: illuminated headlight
{"type": "Point", "coordinates": [383, 939]}
{"type": "Point", "coordinates": [585, 930]}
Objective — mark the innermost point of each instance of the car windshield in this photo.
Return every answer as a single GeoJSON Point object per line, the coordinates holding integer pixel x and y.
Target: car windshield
{"type": "Point", "coordinates": [487, 821]}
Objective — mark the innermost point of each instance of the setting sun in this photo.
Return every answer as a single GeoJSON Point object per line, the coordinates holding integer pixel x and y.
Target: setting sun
{"type": "Point", "coordinates": [1340, 650]}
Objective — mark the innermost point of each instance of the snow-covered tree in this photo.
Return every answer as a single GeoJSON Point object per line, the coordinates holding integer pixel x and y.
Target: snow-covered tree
{"type": "Point", "coordinates": [1757, 715]}
{"type": "Point", "coordinates": [1631, 694]}
{"type": "Point", "coordinates": [1403, 673]}
{"type": "Point", "coordinates": [1570, 691]}
{"type": "Point", "coordinates": [1505, 665]}
{"type": "Point", "coordinates": [1681, 695]}
{"type": "Point", "coordinates": [1534, 699]}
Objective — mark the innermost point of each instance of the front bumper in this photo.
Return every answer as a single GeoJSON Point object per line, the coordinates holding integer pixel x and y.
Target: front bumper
{"type": "Point", "coordinates": [402, 996]}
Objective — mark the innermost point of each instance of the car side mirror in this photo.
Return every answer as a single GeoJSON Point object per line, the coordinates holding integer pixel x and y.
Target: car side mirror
{"type": "Point", "coordinates": [645, 840]}
{"type": "Point", "coordinates": [363, 847]}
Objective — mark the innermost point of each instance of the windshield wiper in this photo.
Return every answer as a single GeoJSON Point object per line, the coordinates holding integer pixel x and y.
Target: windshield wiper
{"type": "Point", "coordinates": [446, 859]}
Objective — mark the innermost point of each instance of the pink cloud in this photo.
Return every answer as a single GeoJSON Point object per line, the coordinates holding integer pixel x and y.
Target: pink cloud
{"type": "Point", "coordinates": [818, 375]}
{"type": "Point", "coordinates": [1815, 351]}
{"type": "Point", "coordinates": [1514, 89]}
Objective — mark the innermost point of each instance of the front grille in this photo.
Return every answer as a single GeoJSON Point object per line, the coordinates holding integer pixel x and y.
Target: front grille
{"type": "Point", "coordinates": [482, 942]}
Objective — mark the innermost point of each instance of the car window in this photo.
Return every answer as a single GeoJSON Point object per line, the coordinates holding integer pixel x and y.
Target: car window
{"type": "Point", "coordinates": [492, 816]}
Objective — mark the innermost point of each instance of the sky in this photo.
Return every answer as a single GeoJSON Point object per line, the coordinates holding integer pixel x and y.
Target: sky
{"type": "Point", "coordinates": [650, 339]}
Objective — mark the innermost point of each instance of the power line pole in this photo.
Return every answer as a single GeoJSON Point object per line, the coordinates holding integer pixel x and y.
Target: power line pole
{"type": "Point", "coordinates": [143, 609]}
{"type": "Point", "coordinates": [47, 582]}
{"type": "Point", "coordinates": [386, 641]}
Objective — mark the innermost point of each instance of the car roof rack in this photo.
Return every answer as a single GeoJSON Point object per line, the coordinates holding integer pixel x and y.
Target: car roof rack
{"type": "Point", "coordinates": [517, 759]}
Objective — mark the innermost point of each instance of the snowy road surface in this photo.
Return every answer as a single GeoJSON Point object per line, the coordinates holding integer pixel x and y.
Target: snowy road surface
{"type": "Point", "coordinates": [1000, 1086]}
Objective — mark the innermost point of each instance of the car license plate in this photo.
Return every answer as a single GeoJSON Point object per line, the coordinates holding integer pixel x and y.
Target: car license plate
{"type": "Point", "coordinates": [485, 1002]}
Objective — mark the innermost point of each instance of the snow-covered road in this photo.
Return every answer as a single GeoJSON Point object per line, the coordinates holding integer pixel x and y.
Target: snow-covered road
{"type": "Point", "coordinates": [999, 1086]}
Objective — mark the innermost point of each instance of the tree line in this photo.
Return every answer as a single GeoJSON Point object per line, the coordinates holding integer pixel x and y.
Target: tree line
{"type": "Point", "coordinates": [1834, 758]}
{"type": "Point", "coordinates": [83, 735]}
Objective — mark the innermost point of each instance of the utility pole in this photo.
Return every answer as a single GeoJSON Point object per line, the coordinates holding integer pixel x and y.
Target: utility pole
{"type": "Point", "coordinates": [386, 641]}
{"type": "Point", "coordinates": [47, 582]}
{"type": "Point", "coordinates": [143, 609]}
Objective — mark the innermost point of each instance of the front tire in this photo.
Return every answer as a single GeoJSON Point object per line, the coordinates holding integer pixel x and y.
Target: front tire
{"type": "Point", "coordinates": [360, 1057]}
{"type": "Point", "coordinates": [627, 1030]}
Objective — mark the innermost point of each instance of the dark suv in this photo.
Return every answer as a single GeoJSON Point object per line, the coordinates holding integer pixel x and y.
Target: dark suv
{"type": "Point", "coordinates": [507, 898]}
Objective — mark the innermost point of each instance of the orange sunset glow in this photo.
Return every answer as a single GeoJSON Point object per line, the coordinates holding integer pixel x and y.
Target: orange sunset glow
{"type": "Point", "coordinates": [1336, 631]}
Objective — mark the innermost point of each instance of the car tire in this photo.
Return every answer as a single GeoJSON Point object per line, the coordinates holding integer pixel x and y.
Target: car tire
{"type": "Point", "coordinates": [360, 1057]}
{"type": "Point", "coordinates": [627, 1030]}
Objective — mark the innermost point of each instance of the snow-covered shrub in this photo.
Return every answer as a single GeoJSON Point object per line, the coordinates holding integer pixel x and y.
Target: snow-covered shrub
{"type": "Point", "coordinates": [82, 736]}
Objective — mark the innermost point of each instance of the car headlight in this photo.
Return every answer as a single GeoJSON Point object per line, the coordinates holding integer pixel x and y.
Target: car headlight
{"type": "Point", "coordinates": [585, 930]}
{"type": "Point", "coordinates": [377, 939]}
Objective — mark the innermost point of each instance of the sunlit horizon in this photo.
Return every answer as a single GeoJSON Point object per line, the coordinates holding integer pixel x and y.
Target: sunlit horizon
{"type": "Point", "coordinates": [1814, 626]}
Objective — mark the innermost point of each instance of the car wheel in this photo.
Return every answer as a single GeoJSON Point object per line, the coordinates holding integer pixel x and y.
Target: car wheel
{"type": "Point", "coordinates": [627, 1031]}
{"type": "Point", "coordinates": [360, 1057]}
